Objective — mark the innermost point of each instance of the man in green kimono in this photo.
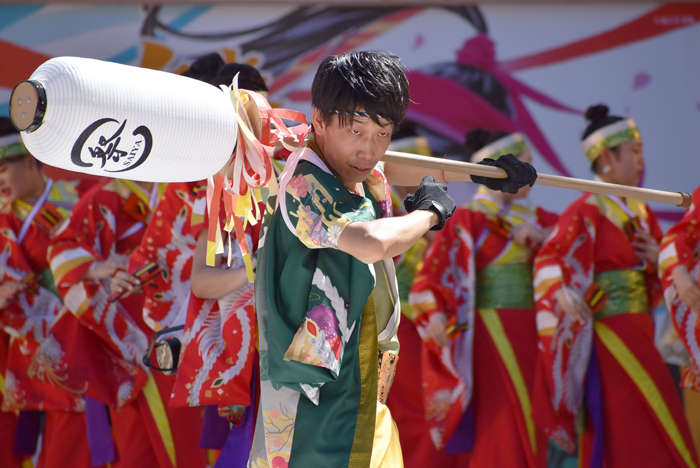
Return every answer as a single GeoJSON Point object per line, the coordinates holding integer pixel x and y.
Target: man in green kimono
{"type": "Point", "coordinates": [326, 293]}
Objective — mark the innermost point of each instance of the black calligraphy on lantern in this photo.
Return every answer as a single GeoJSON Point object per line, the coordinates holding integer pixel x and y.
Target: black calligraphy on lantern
{"type": "Point", "coordinates": [108, 149]}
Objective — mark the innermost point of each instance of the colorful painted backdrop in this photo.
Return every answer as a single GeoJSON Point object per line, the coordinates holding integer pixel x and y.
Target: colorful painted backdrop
{"type": "Point", "coordinates": [531, 68]}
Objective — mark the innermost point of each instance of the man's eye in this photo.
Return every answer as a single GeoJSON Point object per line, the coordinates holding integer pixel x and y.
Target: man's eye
{"type": "Point", "coordinates": [355, 132]}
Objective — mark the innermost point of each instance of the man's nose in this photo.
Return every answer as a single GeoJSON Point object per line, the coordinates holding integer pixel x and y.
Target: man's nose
{"type": "Point", "coordinates": [367, 150]}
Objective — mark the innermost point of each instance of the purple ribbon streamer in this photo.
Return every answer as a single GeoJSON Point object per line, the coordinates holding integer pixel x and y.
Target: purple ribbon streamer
{"type": "Point", "coordinates": [462, 440]}
{"type": "Point", "coordinates": [99, 432]}
{"type": "Point", "coordinates": [236, 450]}
{"type": "Point", "coordinates": [594, 406]}
{"type": "Point", "coordinates": [215, 429]}
{"type": "Point", "coordinates": [28, 430]}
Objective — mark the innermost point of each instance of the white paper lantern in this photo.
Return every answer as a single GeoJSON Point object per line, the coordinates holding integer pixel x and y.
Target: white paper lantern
{"type": "Point", "coordinates": [114, 120]}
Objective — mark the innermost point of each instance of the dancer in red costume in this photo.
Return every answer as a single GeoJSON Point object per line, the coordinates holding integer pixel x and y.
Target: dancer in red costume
{"type": "Point", "coordinates": [89, 260]}
{"type": "Point", "coordinates": [406, 402]}
{"type": "Point", "coordinates": [595, 285]}
{"type": "Point", "coordinates": [474, 307]}
{"type": "Point", "coordinates": [33, 373]}
{"type": "Point", "coordinates": [679, 270]}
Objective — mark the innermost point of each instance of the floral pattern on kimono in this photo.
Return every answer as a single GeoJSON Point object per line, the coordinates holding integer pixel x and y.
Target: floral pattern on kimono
{"type": "Point", "coordinates": [681, 246]}
{"type": "Point", "coordinates": [36, 370]}
{"type": "Point", "coordinates": [572, 256]}
{"type": "Point", "coordinates": [109, 219]}
{"type": "Point", "coordinates": [216, 362]}
{"type": "Point", "coordinates": [169, 242]}
{"type": "Point", "coordinates": [447, 284]}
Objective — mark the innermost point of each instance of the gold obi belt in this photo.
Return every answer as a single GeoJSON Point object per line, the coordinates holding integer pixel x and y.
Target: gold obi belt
{"type": "Point", "coordinates": [505, 287]}
{"type": "Point", "coordinates": [625, 292]}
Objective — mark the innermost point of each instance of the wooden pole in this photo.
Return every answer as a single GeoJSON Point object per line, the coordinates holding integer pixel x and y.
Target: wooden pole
{"type": "Point", "coordinates": [675, 198]}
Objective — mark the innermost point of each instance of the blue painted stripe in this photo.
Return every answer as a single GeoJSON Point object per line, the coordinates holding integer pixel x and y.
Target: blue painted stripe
{"type": "Point", "coordinates": [188, 16]}
{"type": "Point", "coordinates": [10, 14]}
{"type": "Point", "coordinates": [68, 23]}
{"type": "Point", "coordinates": [125, 57]}
{"type": "Point", "coordinates": [5, 109]}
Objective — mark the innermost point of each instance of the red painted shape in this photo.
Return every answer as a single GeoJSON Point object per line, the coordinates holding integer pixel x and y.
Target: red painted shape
{"type": "Point", "coordinates": [658, 21]}
{"type": "Point", "coordinates": [17, 64]}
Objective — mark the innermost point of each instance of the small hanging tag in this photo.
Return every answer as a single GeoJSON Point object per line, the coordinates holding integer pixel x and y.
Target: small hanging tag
{"type": "Point", "coordinates": [214, 241]}
{"type": "Point", "coordinates": [249, 267]}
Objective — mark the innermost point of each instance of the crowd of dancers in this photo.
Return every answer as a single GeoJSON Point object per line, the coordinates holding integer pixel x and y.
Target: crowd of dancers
{"type": "Point", "coordinates": [131, 336]}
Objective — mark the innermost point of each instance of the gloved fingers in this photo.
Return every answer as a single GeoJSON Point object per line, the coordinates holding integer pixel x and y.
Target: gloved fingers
{"type": "Point", "coordinates": [533, 175]}
{"type": "Point", "coordinates": [428, 179]}
{"type": "Point", "coordinates": [509, 187]}
{"type": "Point", "coordinates": [511, 165]}
{"type": "Point", "coordinates": [519, 173]}
{"type": "Point", "coordinates": [408, 203]}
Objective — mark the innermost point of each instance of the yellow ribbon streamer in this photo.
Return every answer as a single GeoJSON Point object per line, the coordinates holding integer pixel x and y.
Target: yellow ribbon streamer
{"type": "Point", "coordinates": [646, 385]}
{"type": "Point", "coordinates": [505, 349]}
{"type": "Point", "coordinates": [155, 403]}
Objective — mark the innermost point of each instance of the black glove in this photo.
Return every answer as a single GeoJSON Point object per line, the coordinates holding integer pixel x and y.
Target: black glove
{"type": "Point", "coordinates": [519, 173]}
{"type": "Point", "coordinates": [434, 197]}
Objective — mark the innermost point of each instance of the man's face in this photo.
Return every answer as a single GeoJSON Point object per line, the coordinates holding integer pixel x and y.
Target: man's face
{"type": "Point", "coordinates": [354, 149]}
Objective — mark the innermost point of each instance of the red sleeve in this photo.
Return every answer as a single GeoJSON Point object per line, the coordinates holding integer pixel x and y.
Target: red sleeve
{"type": "Point", "coordinates": [568, 253]}
{"type": "Point", "coordinates": [546, 219]}
{"type": "Point", "coordinates": [447, 263]}
{"type": "Point", "coordinates": [678, 245]}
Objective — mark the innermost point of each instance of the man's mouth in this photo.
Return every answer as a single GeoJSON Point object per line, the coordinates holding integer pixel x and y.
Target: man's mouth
{"type": "Point", "coordinates": [360, 170]}
{"type": "Point", "coordinates": [5, 193]}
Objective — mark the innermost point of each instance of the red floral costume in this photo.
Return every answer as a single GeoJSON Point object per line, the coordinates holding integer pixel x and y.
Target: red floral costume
{"type": "Point", "coordinates": [479, 386]}
{"type": "Point", "coordinates": [681, 246]}
{"type": "Point", "coordinates": [633, 413]}
{"type": "Point", "coordinates": [111, 219]}
{"type": "Point", "coordinates": [34, 369]}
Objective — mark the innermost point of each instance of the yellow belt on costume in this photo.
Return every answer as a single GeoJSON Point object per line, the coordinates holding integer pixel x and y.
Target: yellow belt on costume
{"type": "Point", "coordinates": [505, 287]}
{"type": "Point", "coordinates": [626, 292]}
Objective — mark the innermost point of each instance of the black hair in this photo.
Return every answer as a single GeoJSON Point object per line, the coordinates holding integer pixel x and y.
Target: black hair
{"type": "Point", "coordinates": [204, 68]}
{"type": "Point", "coordinates": [478, 138]}
{"type": "Point", "coordinates": [598, 117]}
{"type": "Point", "coordinates": [373, 82]}
{"type": "Point", "coordinates": [406, 129]}
{"type": "Point", "coordinates": [249, 77]}
{"type": "Point", "coordinates": [6, 128]}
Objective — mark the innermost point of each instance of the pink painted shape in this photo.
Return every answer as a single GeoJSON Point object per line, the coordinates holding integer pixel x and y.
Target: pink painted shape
{"type": "Point", "coordinates": [641, 80]}
{"type": "Point", "coordinates": [419, 41]}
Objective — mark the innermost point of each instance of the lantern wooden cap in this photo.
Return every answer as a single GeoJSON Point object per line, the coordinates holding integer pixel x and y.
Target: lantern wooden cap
{"type": "Point", "coordinates": [28, 106]}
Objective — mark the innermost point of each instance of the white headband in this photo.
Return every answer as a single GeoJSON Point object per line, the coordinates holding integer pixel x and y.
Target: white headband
{"type": "Point", "coordinates": [609, 136]}
{"type": "Point", "coordinates": [513, 143]}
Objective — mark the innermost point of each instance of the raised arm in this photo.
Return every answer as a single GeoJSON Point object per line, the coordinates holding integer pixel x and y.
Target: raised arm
{"type": "Point", "coordinates": [371, 241]}
{"type": "Point", "coordinates": [213, 282]}
{"type": "Point", "coordinates": [384, 238]}
{"type": "Point", "coordinates": [519, 173]}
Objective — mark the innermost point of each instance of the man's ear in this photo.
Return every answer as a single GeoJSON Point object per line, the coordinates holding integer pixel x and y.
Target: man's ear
{"type": "Point", "coordinates": [318, 121]}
